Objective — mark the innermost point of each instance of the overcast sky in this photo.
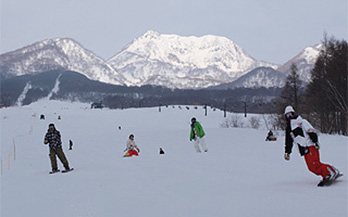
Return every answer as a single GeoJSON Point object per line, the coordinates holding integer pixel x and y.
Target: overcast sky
{"type": "Point", "coordinates": [269, 30]}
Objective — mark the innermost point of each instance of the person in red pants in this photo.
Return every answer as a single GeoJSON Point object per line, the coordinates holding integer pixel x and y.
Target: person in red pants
{"type": "Point", "coordinates": [302, 133]}
{"type": "Point", "coordinates": [132, 148]}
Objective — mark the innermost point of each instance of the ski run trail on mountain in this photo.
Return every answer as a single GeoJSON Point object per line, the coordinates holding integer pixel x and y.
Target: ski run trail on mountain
{"type": "Point", "coordinates": [241, 174]}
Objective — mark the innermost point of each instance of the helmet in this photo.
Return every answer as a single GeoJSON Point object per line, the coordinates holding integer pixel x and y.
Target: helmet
{"type": "Point", "coordinates": [193, 119]}
{"type": "Point", "coordinates": [289, 109]}
{"type": "Point", "coordinates": [51, 125]}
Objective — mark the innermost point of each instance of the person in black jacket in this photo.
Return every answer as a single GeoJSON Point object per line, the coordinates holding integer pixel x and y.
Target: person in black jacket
{"type": "Point", "coordinates": [52, 138]}
{"type": "Point", "coordinates": [302, 133]}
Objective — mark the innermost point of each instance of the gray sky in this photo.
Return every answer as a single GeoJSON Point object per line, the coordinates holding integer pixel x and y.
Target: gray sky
{"type": "Point", "coordinates": [269, 30]}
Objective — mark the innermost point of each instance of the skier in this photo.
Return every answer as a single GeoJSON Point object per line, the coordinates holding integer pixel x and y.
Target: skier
{"type": "Point", "coordinates": [197, 134]}
{"type": "Point", "coordinates": [301, 132]}
{"type": "Point", "coordinates": [52, 138]}
{"type": "Point", "coordinates": [132, 148]}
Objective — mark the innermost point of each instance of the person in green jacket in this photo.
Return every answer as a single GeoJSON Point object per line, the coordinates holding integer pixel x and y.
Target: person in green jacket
{"type": "Point", "coordinates": [197, 134]}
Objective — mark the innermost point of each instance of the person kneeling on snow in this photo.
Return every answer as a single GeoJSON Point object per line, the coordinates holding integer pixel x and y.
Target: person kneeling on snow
{"type": "Point", "coordinates": [302, 133]}
{"type": "Point", "coordinates": [270, 136]}
{"type": "Point", "coordinates": [132, 148]}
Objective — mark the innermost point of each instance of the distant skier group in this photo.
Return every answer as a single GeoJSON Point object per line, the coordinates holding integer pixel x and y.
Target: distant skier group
{"type": "Point", "coordinates": [197, 134]}
{"type": "Point", "coordinates": [53, 138]}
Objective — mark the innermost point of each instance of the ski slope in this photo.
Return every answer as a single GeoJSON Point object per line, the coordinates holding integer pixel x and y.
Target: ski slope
{"type": "Point", "coordinates": [241, 175]}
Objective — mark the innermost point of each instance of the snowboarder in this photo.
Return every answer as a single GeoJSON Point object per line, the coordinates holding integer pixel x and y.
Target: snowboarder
{"type": "Point", "coordinates": [52, 138]}
{"type": "Point", "coordinates": [301, 132]}
{"type": "Point", "coordinates": [132, 148]}
{"type": "Point", "coordinates": [197, 134]}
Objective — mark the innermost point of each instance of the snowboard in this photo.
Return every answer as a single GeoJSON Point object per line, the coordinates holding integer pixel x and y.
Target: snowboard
{"type": "Point", "coordinates": [65, 171]}
{"type": "Point", "coordinates": [328, 182]}
{"type": "Point", "coordinates": [53, 172]}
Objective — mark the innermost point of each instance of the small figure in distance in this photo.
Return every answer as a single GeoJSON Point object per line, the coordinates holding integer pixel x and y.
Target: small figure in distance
{"type": "Point", "coordinates": [161, 151]}
{"type": "Point", "coordinates": [270, 136]}
{"type": "Point", "coordinates": [70, 144]}
{"type": "Point", "coordinates": [132, 148]}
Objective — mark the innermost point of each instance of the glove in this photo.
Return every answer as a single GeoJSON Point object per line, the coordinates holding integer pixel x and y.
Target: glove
{"type": "Point", "coordinates": [287, 156]}
{"type": "Point", "coordinates": [317, 145]}
{"type": "Point", "coordinates": [138, 150]}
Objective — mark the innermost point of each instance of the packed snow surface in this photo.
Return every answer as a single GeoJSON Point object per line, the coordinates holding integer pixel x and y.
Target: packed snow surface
{"type": "Point", "coordinates": [241, 174]}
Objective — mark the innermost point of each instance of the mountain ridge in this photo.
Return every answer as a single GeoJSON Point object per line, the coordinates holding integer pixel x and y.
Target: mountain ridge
{"type": "Point", "coordinates": [57, 53]}
{"type": "Point", "coordinates": [153, 59]}
{"type": "Point", "coordinates": [156, 54]}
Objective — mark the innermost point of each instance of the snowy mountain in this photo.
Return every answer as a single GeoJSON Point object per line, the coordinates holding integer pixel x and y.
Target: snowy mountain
{"type": "Point", "coordinates": [304, 62]}
{"type": "Point", "coordinates": [59, 53]}
{"type": "Point", "coordinates": [156, 59]}
{"type": "Point", "coordinates": [259, 77]}
{"type": "Point", "coordinates": [182, 62]}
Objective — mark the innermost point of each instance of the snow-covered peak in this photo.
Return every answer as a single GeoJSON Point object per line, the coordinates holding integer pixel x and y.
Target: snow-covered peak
{"type": "Point", "coordinates": [182, 61]}
{"type": "Point", "coordinates": [181, 51]}
{"type": "Point", "coordinates": [65, 45]}
{"type": "Point", "coordinates": [58, 53]}
{"type": "Point", "coordinates": [304, 62]}
{"type": "Point", "coordinates": [151, 34]}
{"type": "Point", "coordinates": [310, 54]}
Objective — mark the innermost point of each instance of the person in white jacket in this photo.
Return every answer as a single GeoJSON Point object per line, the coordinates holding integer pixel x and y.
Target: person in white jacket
{"type": "Point", "coordinates": [302, 133]}
{"type": "Point", "coordinates": [132, 148]}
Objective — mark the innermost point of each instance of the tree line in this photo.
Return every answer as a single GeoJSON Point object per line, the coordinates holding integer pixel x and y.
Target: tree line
{"type": "Point", "coordinates": [324, 100]}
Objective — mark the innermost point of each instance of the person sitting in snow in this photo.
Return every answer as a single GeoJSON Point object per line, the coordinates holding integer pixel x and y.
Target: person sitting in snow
{"type": "Point", "coordinates": [132, 148]}
{"type": "Point", "coordinates": [270, 136]}
{"type": "Point", "coordinates": [52, 138]}
{"type": "Point", "coordinates": [302, 133]}
{"type": "Point", "coordinates": [197, 134]}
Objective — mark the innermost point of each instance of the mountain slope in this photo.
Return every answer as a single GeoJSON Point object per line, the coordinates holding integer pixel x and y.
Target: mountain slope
{"type": "Point", "coordinates": [259, 77]}
{"type": "Point", "coordinates": [73, 86]}
{"type": "Point", "coordinates": [184, 62]}
{"type": "Point", "coordinates": [59, 53]}
{"type": "Point", "coordinates": [304, 62]}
